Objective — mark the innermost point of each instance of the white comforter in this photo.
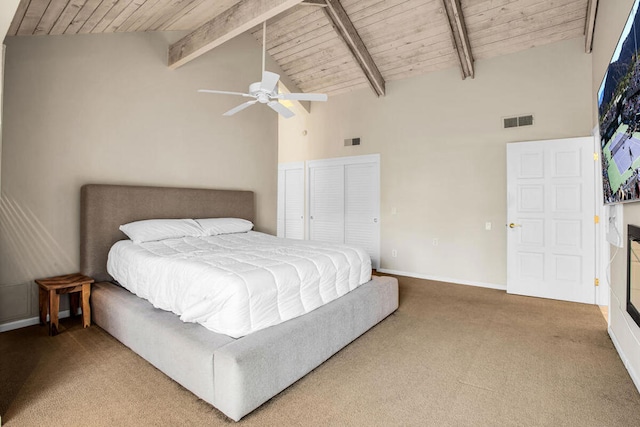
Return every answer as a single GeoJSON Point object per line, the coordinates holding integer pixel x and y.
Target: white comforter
{"type": "Point", "coordinates": [235, 284]}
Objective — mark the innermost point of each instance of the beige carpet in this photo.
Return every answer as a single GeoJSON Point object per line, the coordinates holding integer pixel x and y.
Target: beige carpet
{"type": "Point", "coordinates": [451, 355]}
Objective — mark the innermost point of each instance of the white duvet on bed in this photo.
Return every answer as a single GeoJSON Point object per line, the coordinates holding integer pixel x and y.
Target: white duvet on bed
{"type": "Point", "coordinates": [235, 284]}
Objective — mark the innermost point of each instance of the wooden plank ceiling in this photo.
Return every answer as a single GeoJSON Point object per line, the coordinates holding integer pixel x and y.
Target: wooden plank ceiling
{"type": "Point", "coordinates": [312, 42]}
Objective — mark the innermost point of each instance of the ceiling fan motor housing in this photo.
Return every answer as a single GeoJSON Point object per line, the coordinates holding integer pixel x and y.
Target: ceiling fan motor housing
{"type": "Point", "coordinates": [254, 88]}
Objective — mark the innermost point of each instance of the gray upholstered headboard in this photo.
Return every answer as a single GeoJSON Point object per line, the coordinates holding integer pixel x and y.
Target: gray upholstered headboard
{"type": "Point", "coordinates": [103, 208]}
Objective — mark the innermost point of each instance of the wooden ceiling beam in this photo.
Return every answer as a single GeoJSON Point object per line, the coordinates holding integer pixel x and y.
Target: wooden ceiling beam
{"type": "Point", "coordinates": [318, 3]}
{"type": "Point", "coordinates": [344, 27]}
{"type": "Point", "coordinates": [453, 12]}
{"type": "Point", "coordinates": [590, 25]}
{"type": "Point", "coordinates": [232, 22]}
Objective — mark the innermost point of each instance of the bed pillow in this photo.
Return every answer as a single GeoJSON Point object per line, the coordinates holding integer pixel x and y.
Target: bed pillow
{"type": "Point", "coordinates": [216, 226]}
{"type": "Point", "coordinates": [149, 230]}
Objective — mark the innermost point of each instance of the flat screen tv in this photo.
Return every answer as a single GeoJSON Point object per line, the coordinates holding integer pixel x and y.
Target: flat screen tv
{"type": "Point", "coordinates": [619, 117]}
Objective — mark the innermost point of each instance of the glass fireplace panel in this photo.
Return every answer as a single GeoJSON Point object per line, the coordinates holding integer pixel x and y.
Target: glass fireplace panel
{"type": "Point", "coordinates": [633, 273]}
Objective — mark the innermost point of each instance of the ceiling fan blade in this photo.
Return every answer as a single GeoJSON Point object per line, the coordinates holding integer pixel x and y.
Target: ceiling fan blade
{"type": "Point", "coordinates": [222, 92]}
{"type": "Point", "coordinates": [281, 109]}
{"type": "Point", "coordinates": [303, 96]}
{"type": "Point", "coordinates": [269, 81]}
{"type": "Point", "coordinates": [239, 108]}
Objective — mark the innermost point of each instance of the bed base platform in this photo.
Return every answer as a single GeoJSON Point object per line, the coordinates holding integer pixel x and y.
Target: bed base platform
{"type": "Point", "coordinates": [234, 375]}
{"type": "Point", "coordinates": [238, 375]}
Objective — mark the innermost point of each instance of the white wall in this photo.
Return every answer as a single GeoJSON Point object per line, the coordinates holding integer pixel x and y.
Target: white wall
{"type": "Point", "coordinates": [625, 333]}
{"type": "Point", "coordinates": [106, 109]}
{"type": "Point", "coordinates": [443, 152]}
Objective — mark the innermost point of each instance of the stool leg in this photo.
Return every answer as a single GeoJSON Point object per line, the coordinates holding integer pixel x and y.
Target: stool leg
{"type": "Point", "coordinates": [43, 303]}
{"type": "Point", "coordinates": [54, 307]}
{"type": "Point", "coordinates": [74, 299]}
{"type": "Point", "coordinates": [86, 308]}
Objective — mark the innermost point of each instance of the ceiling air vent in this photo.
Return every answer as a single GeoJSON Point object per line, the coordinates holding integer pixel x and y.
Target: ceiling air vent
{"type": "Point", "coordinates": [514, 122]}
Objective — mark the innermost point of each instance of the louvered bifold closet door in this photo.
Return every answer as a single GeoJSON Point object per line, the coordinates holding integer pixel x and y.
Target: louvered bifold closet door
{"type": "Point", "coordinates": [281, 205]}
{"type": "Point", "coordinates": [344, 202]}
{"type": "Point", "coordinates": [290, 217]}
{"type": "Point", "coordinates": [326, 203]}
{"type": "Point", "coordinates": [362, 206]}
{"type": "Point", "coordinates": [294, 204]}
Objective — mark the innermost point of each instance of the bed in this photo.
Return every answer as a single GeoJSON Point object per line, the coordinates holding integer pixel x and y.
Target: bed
{"type": "Point", "coordinates": [234, 375]}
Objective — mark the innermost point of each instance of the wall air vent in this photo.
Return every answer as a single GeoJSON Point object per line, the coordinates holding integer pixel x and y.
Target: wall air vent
{"type": "Point", "coordinates": [514, 122]}
{"type": "Point", "coordinates": [351, 141]}
{"type": "Point", "coordinates": [511, 122]}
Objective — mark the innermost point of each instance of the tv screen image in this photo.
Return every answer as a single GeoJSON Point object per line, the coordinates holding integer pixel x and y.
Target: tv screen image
{"type": "Point", "coordinates": [619, 116]}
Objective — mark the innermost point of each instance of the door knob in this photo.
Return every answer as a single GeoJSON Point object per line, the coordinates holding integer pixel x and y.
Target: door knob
{"type": "Point", "coordinates": [513, 225]}
{"type": "Point", "coordinates": [375, 219]}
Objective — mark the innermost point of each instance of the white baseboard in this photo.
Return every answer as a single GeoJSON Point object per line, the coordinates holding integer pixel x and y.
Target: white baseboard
{"type": "Point", "coordinates": [632, 373]}
{"type": "Point", "coordinates": [444, 279]}
{"type": "Point", "coordinates": [28, 322]}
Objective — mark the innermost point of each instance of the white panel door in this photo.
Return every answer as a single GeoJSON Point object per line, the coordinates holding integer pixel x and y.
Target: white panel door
{"type": "Point", "coordinates": [290, 217]}
{"type": "Point", "coordinates": [362, 208]}
{"type": "Point", "coordinates": [551, 231]}
{"type": "Point", "coordinates": [326, 203]}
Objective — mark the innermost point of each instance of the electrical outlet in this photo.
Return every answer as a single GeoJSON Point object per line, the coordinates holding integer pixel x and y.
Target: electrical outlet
{"type": "Point", "coordinates": [487, 226]}
{"type": "Point", "coordinates": [435, 242]}
{"type": "Point", "coordinates": [394, 253]}
{"type": "Point", "coordinates": [394, 211]}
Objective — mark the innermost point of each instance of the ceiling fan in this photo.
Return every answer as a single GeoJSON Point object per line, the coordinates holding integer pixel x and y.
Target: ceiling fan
{"type": "Point", "coordinates": [266, 91]}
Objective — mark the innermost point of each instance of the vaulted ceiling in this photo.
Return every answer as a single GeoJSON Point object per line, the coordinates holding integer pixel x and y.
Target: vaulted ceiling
{"type": "Point", "coordinates": [331, 46]}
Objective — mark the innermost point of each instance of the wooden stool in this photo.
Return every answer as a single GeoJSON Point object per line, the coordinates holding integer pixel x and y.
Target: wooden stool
{"type": "Point", "coordinates": [49, 298]}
